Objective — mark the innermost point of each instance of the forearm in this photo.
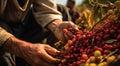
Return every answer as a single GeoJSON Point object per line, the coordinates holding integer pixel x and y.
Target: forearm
{"type": "Point", "coordinates": [15, 46]}
{"type": "Point", "coordinates": [34, 54]}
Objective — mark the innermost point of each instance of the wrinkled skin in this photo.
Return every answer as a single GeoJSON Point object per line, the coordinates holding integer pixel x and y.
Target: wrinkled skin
{"type": "Point", "coordinates": [57, 28]}
{"type": "Point", "coordinates": [39, 54]}
{"type": "Point", "coordinates": [34, 54]}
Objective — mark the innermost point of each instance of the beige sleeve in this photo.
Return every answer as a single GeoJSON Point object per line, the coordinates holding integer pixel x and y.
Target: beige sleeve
{"type": "Point", "coordinates": [45, 11]}
{"type": "Point", "coordinates": [4, 35]}
{"type": "Point", "coordinates": [2, 5]}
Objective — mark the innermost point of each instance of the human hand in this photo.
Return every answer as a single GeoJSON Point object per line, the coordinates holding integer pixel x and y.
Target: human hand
{"type": "Point", "coordinates": [40, 55]}
{"type": "Point", "coordinates": [34, 54]}
{"type": "Point", "coordinates": [57, 28]}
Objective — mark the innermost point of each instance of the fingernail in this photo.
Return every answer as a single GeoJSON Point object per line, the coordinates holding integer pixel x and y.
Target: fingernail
{"type": "Point", "coordinates": [58, 60]}
{"type": "Point", "coordinates": [57, 52]}
{"type": "Point", "coordinates": [76, 28]}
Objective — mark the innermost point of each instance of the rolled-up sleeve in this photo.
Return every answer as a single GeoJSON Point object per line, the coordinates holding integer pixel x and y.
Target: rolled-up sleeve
{"type": "Point", "coordinates": [2, 5]}
{"type": "Point", "coordinates": [45, 11]}
{"type": "Point", "coordinates": [4, 35]}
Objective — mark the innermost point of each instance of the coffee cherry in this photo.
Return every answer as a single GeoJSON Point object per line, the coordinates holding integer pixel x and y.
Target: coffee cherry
{"type": "Point", "coordinates": [111, 59]}
{"type": "Point", "coordinates": [84, 56]}
{"type": "Point", "coordinates": [93, 64]}
{"type": "Point", "coordinates": [91, 45]}
{"type": "Point", "coordinates": [97, 53]}
{"type": "Point", "coordinates": [70, 42]}
{"type": "Point", "coordinates": [102, 64]}
{"type": "Point", "coordinates": [92, 59]}
{"type": "Point", "coordinates": [65, 30]}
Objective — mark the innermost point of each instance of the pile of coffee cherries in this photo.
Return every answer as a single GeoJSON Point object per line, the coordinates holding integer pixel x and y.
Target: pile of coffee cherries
{"type": "Point", "coordinates": [98, 47]}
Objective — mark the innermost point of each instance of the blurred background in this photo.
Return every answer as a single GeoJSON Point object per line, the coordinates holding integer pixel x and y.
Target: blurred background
{"type": "Point", "coordinates": [86, 13]}
{"type": "Point", "coordinates": [64, 2]}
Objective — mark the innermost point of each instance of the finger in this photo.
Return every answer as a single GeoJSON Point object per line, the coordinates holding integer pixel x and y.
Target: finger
{"type": "Point", "coordinates": [72, 25]}
{"type": "Point", "coordinates": [75, 27]}
{"type": "Point", "coordinates": [67, 34]}
{"type": "Point", "coordinates": [66, 37]}
{"type": "Point", "coordinates": [59, 34]}
{"type": "Point", "coordinates": [70, 35]}
{"type": "Point", "coordinates": [48, 58]}
{"type": "Point", "coordinates": [68, 24]}
{"type": "Point", "coordinates": [52, 51]}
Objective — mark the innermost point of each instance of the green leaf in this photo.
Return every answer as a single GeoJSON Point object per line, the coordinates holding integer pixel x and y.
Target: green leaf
{"type": "Point", "coordinates": [110, 41]}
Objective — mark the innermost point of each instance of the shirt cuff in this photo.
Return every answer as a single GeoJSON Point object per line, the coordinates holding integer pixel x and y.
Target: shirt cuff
{"type": "Point", "coordinates": [4, 35]}
{"type": "Point", "coordinates": [50, 19]}
{"type": "Point", "coordinates": [44, 20]}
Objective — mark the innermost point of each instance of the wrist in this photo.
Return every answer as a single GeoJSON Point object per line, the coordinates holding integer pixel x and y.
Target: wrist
{"type": "Point", "coordinates": [15, 46]}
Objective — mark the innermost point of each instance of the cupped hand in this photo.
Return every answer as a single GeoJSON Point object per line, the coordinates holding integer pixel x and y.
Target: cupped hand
{"type": "Point", "coordinates": [57, 27]}
{"type": "Point", "coordinates": [40, 55]}
{"type": "Point", "coordinates": [35, 54]}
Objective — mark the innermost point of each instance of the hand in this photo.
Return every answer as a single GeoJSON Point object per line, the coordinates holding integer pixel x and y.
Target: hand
{"type": "Point", "coordinates": [57, 28]}
{"type": "Point", "coordinates": [34, 54]}
{"type": "Point", "coordinates": [40, 55]}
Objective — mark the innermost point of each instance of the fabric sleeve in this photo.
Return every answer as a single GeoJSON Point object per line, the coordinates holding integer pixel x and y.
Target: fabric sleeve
{"type": "Point", "coordinates": [2, 6]}
{"type": "Point", "coordinates": [45, 11]}
{"type": "Point", "coordinates": [4, 35]}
